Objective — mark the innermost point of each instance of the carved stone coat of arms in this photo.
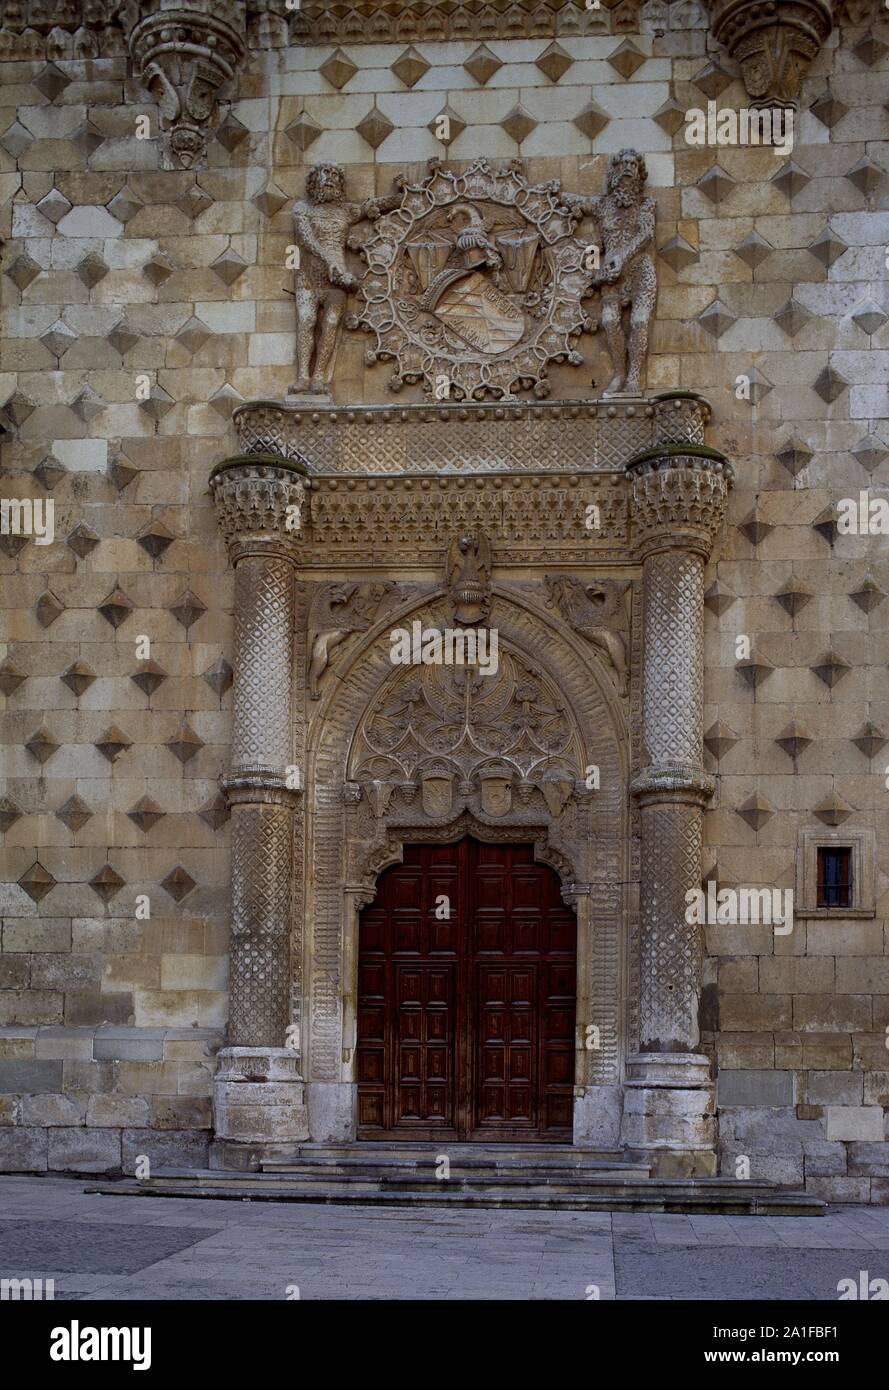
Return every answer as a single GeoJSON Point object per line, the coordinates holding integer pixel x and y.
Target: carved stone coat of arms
{"type": "Point", "coordinates": [474, 283]}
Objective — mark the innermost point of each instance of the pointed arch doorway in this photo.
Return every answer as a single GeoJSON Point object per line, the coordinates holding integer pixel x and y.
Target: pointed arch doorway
{"type": "Point", "coordinates": [467, 962]}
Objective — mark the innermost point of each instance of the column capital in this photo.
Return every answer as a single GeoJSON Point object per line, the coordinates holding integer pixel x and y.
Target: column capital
{"type": "Point", "coordinates": [259, 503]}
{"type": "Point", "coordinates": [679, 494]}
{"type": "Point", "coordinates": [673, 782]}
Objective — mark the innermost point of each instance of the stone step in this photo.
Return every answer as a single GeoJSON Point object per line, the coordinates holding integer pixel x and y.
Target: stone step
{"type": "Point", "coordinates": [600, 1193]}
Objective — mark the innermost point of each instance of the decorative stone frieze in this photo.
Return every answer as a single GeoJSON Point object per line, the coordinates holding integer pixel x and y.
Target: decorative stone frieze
{"type": "Point", "coordinates": [774, 44]}
{"type": "Point", "coordinates": [184, 56]}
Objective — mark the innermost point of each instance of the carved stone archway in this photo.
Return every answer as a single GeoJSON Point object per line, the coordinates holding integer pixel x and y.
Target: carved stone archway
{"type": "Point", "coordinates": [358, 824]}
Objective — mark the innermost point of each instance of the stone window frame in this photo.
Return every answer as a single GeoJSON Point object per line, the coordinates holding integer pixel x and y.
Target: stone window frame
{"type": "Point", "coordinates": [862, 843]}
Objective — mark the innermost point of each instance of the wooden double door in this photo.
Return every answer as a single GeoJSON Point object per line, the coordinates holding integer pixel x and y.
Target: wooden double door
{"type": "Point", "coordinates": [466, 998]}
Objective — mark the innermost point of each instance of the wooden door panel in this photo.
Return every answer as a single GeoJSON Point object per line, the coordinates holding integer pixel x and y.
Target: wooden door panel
{"type": "Point", "coordinates": [466, 1022]}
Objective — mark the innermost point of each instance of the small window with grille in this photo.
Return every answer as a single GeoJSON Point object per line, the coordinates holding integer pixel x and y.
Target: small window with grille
{"type": "Point", "coordinates": [834, 876]}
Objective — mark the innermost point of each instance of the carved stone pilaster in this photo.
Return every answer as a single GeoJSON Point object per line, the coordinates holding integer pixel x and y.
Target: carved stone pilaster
{"type": "Point", "coordinates": [183, 54]}
{"type": "Point", "coordinates": [259, 509]}
{"type": "Point", "coordinates": [773, 43]}
{"type": "Point", "coordinates": [679, 494]}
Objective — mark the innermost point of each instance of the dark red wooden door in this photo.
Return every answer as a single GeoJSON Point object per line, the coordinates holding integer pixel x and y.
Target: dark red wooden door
{"type": "Point", "coordinates": [466, 998]}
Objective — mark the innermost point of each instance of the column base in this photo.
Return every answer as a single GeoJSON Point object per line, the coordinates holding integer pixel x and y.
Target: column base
{"type": "Point", "coordinates": [670, 1105]}
{"type": "Point", "coordinates": [259, 1106]}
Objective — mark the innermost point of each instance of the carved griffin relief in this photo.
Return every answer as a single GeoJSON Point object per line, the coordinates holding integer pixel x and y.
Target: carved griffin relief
{"type": "Point", "coordinates": [339, 610]}
{"type": "Point", "coordinates": [597, 611]}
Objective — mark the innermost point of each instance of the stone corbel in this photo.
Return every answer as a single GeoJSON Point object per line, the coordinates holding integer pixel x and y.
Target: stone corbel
{"type": "Point", "coordinates": [773, 41]}
{"type": "Point", "coordinates": [184, 54]}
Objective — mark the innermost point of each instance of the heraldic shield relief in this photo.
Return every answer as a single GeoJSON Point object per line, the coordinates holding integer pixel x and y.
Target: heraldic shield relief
{"type": "Point", "coordinates": [474, 283]}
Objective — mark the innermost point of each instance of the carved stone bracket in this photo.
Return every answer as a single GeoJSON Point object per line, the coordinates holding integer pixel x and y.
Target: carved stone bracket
{"type": "Point", "coordinates": [184, 55]}
{"type": "Point", "coordinates": [773, 43]}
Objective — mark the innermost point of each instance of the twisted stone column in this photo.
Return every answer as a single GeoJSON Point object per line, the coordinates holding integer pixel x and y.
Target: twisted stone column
{"type": "Point", "coordinates": [679, 491]}
{"type": "Point", "coordinates": [259, 1092]}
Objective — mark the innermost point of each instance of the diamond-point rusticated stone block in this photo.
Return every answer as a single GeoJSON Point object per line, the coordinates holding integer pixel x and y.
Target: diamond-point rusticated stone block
{"type": "Point", "coordinates": [870, 739]}
{"type": "Point", "coordinates": [626, 59]}
{"type": "Point", "coordinates": [9, 814]}
{"type": "Point", "coordinates": [828, 109]}
{"type": "Point", "coordinates": [215, 812]}
{"type": "Point", "coordinates": [48, 608]}
{"type": "Point", "coordinates": [303, 131]}
{"type": "Point", "coordinates": [712, 79]}
{"type": "Point", "coordinates": [719, 598]}
{"type": "Point", "coordinates": [145, 814]}
{"type": "Point", "coordinates": [829, 384]}
{"type": "Point", "coordinates": [37, 881]}
{"type": "Point", "coordinates": [112, 743]}
{"type": "Point", "coordinates": [591, 121]}
{"type": "Point", "coordinates": [58, 338]}
{"type": "Point", "coordinates": [87, 404]}
{"type": "Point", "coordinates": [157, 269]}
{"type": "Point", "coordinates": [868, 595]}
{"type": "Point", "coordinates": [178, 883]}
{"type": "Point", "coordinates": [792, 317]}
{"type": "Point", "coordinates": [91, 270]}
{"type": "Point", "coordinates": [219, 676]}
{"type": "Point", "coordinates": [754, 669]}
{"type": "Point", "coordinates": [82, 540]}
{"type": "Point", "coordinates": [16, 139]}
{"type": "Point", "coordinates": [122, 472]}
{"type": "Point", "coordinates": [716, 184]}
{"type": "Point", "coordinates": [269, 199]}
{"type": "Point", "coordinates": [78, 677]}
{"type": "Point", "coordinates": [193, 334]}
{"type": "Point", "coordinates": [23, 271]}
{"type": "Point", "coordinates": [448, 125]}
{"type": "Point", "coordinates": [833, 810]}
{"type": "Point", "coordinates": [125, 204]}
{"type": "Point", "coordinates": [375, 127]}
{"type": "Point", "coordinates": [554, 62]}
{"type": "Point", "coordinates": [670, 116]}
{"type": "Point", "coordinates": [41, 745]}
{"type": "Point", "coordinates": [793, 739]}
{"type": "Point", "coordinates": [185, 743]}
{"type": "Point", "coordinates": [410, 66]}
{"type": "Point", "coordinates": [194, 201]}
{"type": "Point", "coordinates": [791, 179]}
{"type": "Point", "coordinates": [794, 455]}
{"type": "Point", "coordinates": [825, 524]}
{"type": "Point", "coordinates": [107, 883]}
{"type": "Point", "coordinates": [678, 253]}
{"type": "Point", "coordinates": [74, 813]}
{"type": "Point", "coordinates": [157, 403]}
{"type": "Point", "coordinates": [518, 123]}
{"type": "Point", "coordinates": [17, 409]}
{"type": "Point", "coordinates": [717, 318]}
{"type": "Point", "coordinates": [149, 676]}
{"type": "Point", "coordinates": [187, 609]}
{"type": "Point", "coordinates": [49, 472]}
{"type": "Point", "coordinates": [51, 82]}
{"type": "Point", "coordinates": [755, 528]}
{"type": "Point", "coordinates": [122, 338]}
{"type": "Point", "coordinates": [155, 539]}
{"type": "Point", "coordinates": [869, 317]}
{"type": "Point", "coordinates": [224, 400]}
{"type": "Point", "coordinates": [828, 247]}
{"type": "Point", "coordinates": [870, 452]}
{"type": "Point", "coordinates": [10, 677]}
{"type": "Point", "coordinates": [54, 206]}
{"type": "Point", "coordinates": [794, 597]}
{"type": "Point", "coordinates": [338, 69]}
{"type": "Point", "coordinates": [116, 608]}
{"type": "Point", "coordinates": [753, 250]}
{"type": "Point", "coordinates": [831, 669]}
{"type": "Point", "coordinates": [866, 176]}
{"type": "Point", "coordinates": [756, 811]}
{"type": "Point", "coordinates": [482, 64]}
{"type": "Point", "coordinates": [232, 133]}
{"type": "Point", "coordinates": [720, 739]}
{"type": "Point", "coordinates": [229, 266]}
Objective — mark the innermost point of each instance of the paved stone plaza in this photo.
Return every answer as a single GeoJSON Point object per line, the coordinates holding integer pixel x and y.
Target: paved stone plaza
{"type": "Point", "coordinates": [155, 1248]}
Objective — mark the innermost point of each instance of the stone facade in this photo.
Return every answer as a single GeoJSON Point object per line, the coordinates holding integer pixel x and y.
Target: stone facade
{"type": "Point", "coordinates": [194, 674]}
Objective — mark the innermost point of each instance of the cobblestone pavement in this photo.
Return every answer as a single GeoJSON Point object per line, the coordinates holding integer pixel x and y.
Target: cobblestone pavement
{"type": "Point", "coordinates": [98, 1247]}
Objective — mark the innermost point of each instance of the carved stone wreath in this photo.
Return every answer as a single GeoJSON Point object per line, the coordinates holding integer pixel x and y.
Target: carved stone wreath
{"type": "Point", "coordinates": [474, 283]}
